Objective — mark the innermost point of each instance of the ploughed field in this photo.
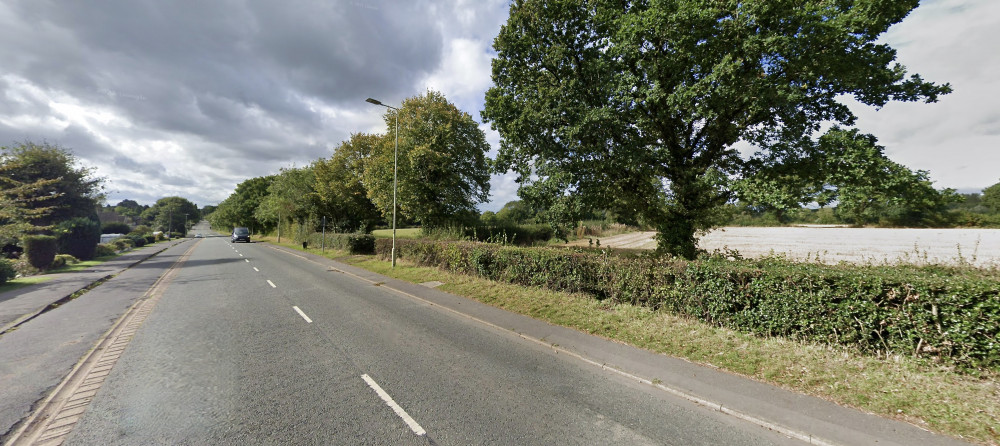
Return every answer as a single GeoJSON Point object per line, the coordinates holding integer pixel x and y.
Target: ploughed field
{"type": "Point", "coordinates": [980, 247]}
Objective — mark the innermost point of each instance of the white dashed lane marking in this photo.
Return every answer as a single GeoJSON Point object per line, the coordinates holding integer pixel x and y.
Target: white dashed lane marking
{"type": "Point", "coordinates": [395, 407]}
{"type": "Point", "coordinates": [272, 284]}
{"type": "Point", "coordinates": [297, 310]}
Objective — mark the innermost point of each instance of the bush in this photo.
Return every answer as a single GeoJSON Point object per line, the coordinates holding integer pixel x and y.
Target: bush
{"type": "Point", "coordinates": [352, 243]}
{"type": "Point", "coordinates": [7, 271]}
{"type": "Point", "coordinates": [105, 250]}
{"type": "Point", "coordinates": [62, 260]}
{"type": "Point", "coordinates": [79, 237]}
{"type": "Point", "coordinates": [115, 227]}
{"type": "Point", "coordinates": [137, 240]}
{"type": "Point", "coordinates": [40, 250]}
{"type": "Point", "coordinates": [944, 313]}
{"type": "Point", "coordinates": [122, 243]}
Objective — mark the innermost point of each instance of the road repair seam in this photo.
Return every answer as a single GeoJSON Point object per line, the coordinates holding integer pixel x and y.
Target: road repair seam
{"type": "Point", "coordinates": [803, 436]}
{"type": "Point", "coordinates": [56, 417]}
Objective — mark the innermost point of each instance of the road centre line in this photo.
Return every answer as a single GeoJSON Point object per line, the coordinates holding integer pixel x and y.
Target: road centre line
{"type": "Point", "coordinates": [297, 310]}
{"type": "Point", "coordinates": [272, 284]}
{"type": "Point", "coordinates": [395, 407]}
{"type": "Point", "coordinates": [255, 269]}
{"type": "Point", "coordinates": [676, 391]}
{"type": "Point", "coordinates": [246, 260]}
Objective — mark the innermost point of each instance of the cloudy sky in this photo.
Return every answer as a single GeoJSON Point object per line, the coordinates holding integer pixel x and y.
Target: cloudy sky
{"type": "Point", "coordinates": [192, 97]}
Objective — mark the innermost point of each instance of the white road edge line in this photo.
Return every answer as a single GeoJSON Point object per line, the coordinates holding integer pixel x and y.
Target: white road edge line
{"type": "Point", "coordinates": [255, 269]}
{"type": "Point", "coordinates": [297, 310]}
{"type": "Point", "coordinates": [395, 407]}
{"type": "Point", "coordinates": [272, 284]}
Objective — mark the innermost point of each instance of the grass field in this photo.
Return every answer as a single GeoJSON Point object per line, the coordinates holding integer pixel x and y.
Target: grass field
{"type": "Point", "coordinates": [400, 233]}
{"type": "Point", "coordinates": [979, 247]}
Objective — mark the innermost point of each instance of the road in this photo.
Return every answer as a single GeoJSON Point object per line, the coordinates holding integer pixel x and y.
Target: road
{"type": "Point", "coordinates": [248, 343]}
{"type": "Point", "coordinates": [251, 345]}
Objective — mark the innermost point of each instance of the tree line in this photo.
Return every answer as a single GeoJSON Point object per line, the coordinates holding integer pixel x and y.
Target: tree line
{"type": "Point", "coordinates": [442, 174]}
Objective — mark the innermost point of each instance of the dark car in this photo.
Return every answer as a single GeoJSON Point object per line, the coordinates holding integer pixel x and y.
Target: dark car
{"type": "Point", "coordinates": [240, 235]}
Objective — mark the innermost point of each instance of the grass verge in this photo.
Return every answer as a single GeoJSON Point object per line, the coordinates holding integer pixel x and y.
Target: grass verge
{"type": "Point", "coordinates": [932, 397]}
{"type": "Point", "coordinates": [22, 282]}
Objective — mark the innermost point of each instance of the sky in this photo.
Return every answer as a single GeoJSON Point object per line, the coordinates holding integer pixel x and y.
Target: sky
{"type": "Point", "coordinates": [190, 98]}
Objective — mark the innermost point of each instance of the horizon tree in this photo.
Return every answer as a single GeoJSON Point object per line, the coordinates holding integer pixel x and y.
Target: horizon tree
{"type": "Point", "coordinates": [636, 107]}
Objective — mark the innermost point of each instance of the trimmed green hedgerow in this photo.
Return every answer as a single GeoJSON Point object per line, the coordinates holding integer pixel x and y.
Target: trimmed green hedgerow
{"type": "Point", "coordinates": [40, 250]}
{"type": "Point", "coordinates": [943, 313]}
{"type": "Point", "coordinates": [353, 243]}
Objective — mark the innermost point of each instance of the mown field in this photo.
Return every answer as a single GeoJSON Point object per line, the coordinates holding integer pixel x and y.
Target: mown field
{"type": "Point", "coordinates": [979, 247]}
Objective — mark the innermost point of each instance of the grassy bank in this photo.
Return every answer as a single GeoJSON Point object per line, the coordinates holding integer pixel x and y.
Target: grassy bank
{"type": "Point", "coordinates": [930, 396]}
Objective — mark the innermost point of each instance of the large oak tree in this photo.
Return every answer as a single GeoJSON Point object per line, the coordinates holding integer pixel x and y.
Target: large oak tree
{"type": "Point", "coordinates": [636, 106]}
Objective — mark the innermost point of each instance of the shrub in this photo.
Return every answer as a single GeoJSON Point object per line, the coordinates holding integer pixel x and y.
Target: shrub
{"type": "Point", "coordinates": [79, 237]}
{"type": "Point", "coordinates": [150, 239]}
{"type": "Point", "coordinates": [352, 243]}
{"type": "Point", "coordinates": [7, 271]}
{"type": "Point", "coordinates": [105, 250]}
{"type": "Point", "coordinates": [944, 313]}
{"type": "Point", "coordinates": [115, 227]}
{"type": "Point", "coordinates": [40, 250]}
{"type": "Point", "coordinates": [61, 260]}
{"type": "Point", "coordinates": [137, 240]}
{"type": "Point", "coordinates": [122, 243]}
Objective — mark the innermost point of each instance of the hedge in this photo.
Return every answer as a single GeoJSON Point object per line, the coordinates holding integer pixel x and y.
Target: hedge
{"type": "Point", "coordinates": [7, 271]}
{"type": "Point", "coordinates": [105, 250]}
{"type": "Point", "coordinates": [79, 237]}
{"type": "Point", "coordinates": [949, 314]}
{"type": "Point", "coordinates": [352, 243]}
{"type": "Point", "coordinates": [40, 249]}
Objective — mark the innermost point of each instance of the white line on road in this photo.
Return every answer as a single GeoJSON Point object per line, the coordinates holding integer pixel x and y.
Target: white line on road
{"type": "Point", "coordinates": [241, 255]}
{"type": "Point", "coordinates": [246, 260]}
{"type": "Point", "coordinates": [395, 407]}
{"type": "Point", "coordinates": [255, 269]}
{"type": "Point", "coordinates": [297, 310]}
{"type": "Point", "coordinates": [272, 284]}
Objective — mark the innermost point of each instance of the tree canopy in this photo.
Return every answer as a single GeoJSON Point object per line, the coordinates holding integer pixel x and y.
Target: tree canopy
{"type": "Point", "coordinates": [442, 167]}
{"type": "Point", "coordinates": [56, 182]}
{"type": "Point", "coordinates": [171, 213]}
{"type": "Point", "coordinates": [341, 195]}
{"type": "Point", "coordinates": [991, 198]}
{"type": "Point", "coordinates": [635, 107]}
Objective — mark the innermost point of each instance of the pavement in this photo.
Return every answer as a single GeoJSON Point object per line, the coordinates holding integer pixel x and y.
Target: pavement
{"type": "Point", "coordinates": [23, 304]}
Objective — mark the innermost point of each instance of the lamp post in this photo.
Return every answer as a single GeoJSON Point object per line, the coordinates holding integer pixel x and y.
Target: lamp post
{"type": "Point", "coordinates": [185, 225]}
{"type": "Point", "coordinates": [395, 156]}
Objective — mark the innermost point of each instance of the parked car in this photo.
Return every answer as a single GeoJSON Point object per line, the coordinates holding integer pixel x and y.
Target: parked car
{"type": "Point", "coordinates": [240, 235]}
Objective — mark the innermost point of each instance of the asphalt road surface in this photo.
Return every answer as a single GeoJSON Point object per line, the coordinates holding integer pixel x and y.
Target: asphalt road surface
{"type": "Point", "coordinates": [251, 345]}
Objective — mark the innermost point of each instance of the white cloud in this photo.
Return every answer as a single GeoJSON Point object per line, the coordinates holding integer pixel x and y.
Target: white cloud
{"type": "Point", "coordinates": [956, 139]}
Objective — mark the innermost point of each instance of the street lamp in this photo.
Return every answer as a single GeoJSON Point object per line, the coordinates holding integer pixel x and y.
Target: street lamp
{"type": "Point", "coordinates": [395, 156]}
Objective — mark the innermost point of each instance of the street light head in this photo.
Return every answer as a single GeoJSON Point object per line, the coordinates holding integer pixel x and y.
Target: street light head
{"type": "Point", "coordinates": [373, 101]}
